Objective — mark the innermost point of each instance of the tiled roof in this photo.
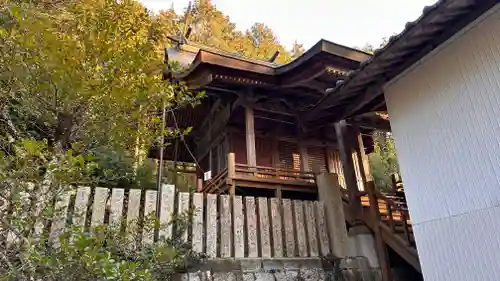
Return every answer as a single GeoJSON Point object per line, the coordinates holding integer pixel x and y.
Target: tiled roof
{"type": "Point", "coordinates": [436, 24]}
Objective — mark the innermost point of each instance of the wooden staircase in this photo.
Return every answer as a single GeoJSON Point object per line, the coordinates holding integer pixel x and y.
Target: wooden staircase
{"type": "Point", "coordinates": [387, 216]}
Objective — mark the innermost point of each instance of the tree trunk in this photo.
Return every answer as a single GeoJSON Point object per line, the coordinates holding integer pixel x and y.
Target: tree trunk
{"type": "Point", "coordinates": [63, 130]}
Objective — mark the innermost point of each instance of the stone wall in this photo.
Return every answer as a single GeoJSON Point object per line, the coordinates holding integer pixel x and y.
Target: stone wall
{"type": "Point", "coordinates": [283, 269]}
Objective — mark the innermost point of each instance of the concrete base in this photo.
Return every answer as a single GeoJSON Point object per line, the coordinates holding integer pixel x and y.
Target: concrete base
{"type": "Point", "coordinates": [287, 269]}
{"type": "Point", "coordinates": [362, 244]}
{"type": "Point", "coordinates": [330, 194]}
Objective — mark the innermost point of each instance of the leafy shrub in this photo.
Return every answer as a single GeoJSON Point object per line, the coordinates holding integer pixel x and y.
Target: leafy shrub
{"type": "Point", "coordinates": [32, 181]}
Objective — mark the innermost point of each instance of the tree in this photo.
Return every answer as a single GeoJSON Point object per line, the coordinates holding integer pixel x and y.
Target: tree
{"type": "Point", "coordinates": [265, 44]}
{"type": "Point", "coordinates": [77, 79]}
{"type": "Point", "coordinates": [383, 161]}
{"type": "Point", "coordinates": [368, 48]}
{"type": "Point", "coordinates": [165, 23]}
{"type": "Point", "coordinates": [84, 71]}
{"type": "Point", "coordinates": [210, 26]}
{"type": "Point", "coordinates": [297, 50]}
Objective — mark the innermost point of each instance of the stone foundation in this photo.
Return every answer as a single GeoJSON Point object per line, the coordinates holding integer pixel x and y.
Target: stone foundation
{"type": "Point", "coordinates": [291, 269]}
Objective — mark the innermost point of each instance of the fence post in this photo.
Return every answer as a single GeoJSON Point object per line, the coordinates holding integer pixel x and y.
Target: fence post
{"type": "Point", "coordinates": [199, 184]}
{"type": "Point", "coordinates": [231, 173]}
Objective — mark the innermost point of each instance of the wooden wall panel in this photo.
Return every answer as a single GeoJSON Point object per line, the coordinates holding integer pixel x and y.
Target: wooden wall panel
{"type": "Point", "coordinates": [289, 157]}
{"type": "Point", "coordinates": [239, 148]}
{"type": "Point", "coordinates": [264, 148]}
{"type": "Point", "coordinates": [316, 157]}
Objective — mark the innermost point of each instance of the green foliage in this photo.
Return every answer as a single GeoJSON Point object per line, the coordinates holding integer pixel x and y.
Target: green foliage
{"type": "Point", "coordinates": [32, 181]}
{"type": "Point", "coordinates": [212, 28]}
{"type": "Point", "coordinates": [297, 50]}
{"type": "Point", "coordinates": [84, 71]}
{"type": "Point", "coordinates": [80, 98]}
{"type": "Point", "coordinates": [369, 48]}
{"type": "Point", "coordinates": [383, 161]}
{"type": "Point", "coordinates": [104, 253]}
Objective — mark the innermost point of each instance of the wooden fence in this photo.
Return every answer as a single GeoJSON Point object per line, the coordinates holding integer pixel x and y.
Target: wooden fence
{"type": "Point", "coordinates": [222, 226]}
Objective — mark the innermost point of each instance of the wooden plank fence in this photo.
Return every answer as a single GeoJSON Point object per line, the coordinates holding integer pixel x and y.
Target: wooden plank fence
{"type": "Point", "coordinates": [221, 226]}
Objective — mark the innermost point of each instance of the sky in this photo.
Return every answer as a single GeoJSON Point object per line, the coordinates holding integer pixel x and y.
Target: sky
{"type": "Point", "coordinates": [353, 23]}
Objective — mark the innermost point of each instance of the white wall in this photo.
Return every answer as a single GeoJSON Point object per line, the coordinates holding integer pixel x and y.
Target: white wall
{"type": "Point", "coordinates": [445, 116]}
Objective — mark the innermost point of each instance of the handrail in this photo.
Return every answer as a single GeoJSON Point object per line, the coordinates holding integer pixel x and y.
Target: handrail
{"type": "Point", "coordinates": [392, 207]}
{"type": "Point", "coordinates": [273, 172]}
{"type": "Point", "coordinates": [217, 181]}
{"type": "Point", "coordinates": [275, 169]}
{"type": "Point", "coordinates": [389, 220]}
{"type": "Point", "coordinates": [381, 196]}
{"type": "Point", "coordinates": [277, 174]}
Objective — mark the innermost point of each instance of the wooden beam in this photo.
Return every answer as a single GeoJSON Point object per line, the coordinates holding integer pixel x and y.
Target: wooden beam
{"type": "Point", "coordinates": [315, 85]}
{"type": "Point", "coordinates": [300, 78]}
{"type": "Point", "coordinates": [250, 137]}
{"type": "Point", "coordinates": [304, 157]}
{"type": "Point", "coordinates": [256, 107]}
{"type": "Point", "coordinates": [371, 121]}
{"type": "Point", "coordinates": [308, 141]}
{"type": "Point", "coordinates": [240, 101]}
{"type": "Point", "coordinates": [361, 101]}
{"type": "Point", "coordinates": [273, 120]}
{"type": "Point", "coordinates": [364, 166]}
{"type": "Point", "coordinates": [378, 105]}
{"type": "Point", "coordinates": [345, 140]}
{"type": "Point", "coordinates": [215, 128]}
{"type": "Point", "coordinates": [213, 109]}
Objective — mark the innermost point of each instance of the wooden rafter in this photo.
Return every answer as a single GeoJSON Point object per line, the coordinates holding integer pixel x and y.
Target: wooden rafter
{"type": "Point", "coordinates": [300, 79]}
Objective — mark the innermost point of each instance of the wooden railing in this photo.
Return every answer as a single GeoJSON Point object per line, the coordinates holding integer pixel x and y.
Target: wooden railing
{"type": "Point", "coordinates": [388, 217]}
{"type": "Point", "coordinates": [256, 176]}
{"type": "Point", "coordinates": [271, 172]}
{"type": "Point", "coordinates": [216, 184]}
{"type": "Point", "coordinates": [393, 213]}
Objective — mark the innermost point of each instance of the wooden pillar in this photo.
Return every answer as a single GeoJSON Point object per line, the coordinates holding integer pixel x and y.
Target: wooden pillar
{"type": "Point", "coordinates": [364, 166]}
{"type": "Point", "coordinates": [231, 173]}
{"type": "Point", "coordinates": [304, 157]}
{"type": "Point", "coordinates": [250, 137]}
{"type": "Point", "coordinates": [328, 160]}
{"type": "Point", "coordinates": [276, 154]}
{"type": "Point", "coordinates": [345, 140]}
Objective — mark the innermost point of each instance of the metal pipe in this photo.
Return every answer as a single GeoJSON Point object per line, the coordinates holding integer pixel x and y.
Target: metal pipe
{"type": "Point", "coordinates": [165, 77]}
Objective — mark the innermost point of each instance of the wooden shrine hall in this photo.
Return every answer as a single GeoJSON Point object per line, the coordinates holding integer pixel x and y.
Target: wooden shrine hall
{"type": "Point", "coordinates": [268, 130]}
{"type": "Point", "coordinates": [249, 133]}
